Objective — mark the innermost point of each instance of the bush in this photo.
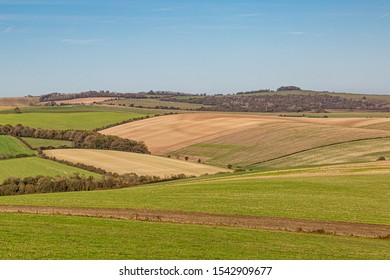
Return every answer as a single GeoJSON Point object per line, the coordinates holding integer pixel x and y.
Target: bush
{"type": "Point", "coordinates": [381, 158]}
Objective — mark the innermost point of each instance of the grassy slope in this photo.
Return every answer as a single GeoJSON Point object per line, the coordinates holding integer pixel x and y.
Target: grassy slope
{"type": "Point", "coordinates": [63, 121]}
{"type": "Point", "coordinates": [34, 166]}
{"type": "Point", "coordinates": [141, 164]}
{"type": "Point", "coordinates": [61, 237]}
{"type": "Point", "coordinates": [270, 141]}
{"type": "Point", "coordinates": [359, 151]}
{"type": "Point", "coordinates": [12, 146]}
{"type": "Point", "coordinates": [349, 197]}
{"type": "Point", "coordinates": [37, 142]}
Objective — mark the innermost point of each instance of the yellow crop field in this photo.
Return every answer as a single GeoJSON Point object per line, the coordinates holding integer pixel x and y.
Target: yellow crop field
{"type": "Point", "coordinates": [141, 164]}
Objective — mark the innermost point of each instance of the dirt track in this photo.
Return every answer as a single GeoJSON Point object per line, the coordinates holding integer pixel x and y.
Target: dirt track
{"type": "Point", "coordinates": [265, 223]}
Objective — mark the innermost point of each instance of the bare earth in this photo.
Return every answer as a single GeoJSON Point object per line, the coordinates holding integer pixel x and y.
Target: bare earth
{"type": "Point", "coordinates": [168, 133]}
{"type": "Point", "coordinates": [264, 223]}
{"type": "Point", "coordinates": [141, 164]}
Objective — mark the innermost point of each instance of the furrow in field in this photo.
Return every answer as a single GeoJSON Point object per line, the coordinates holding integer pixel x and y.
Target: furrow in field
{"type": "Point", "coordinates": [265, 223]}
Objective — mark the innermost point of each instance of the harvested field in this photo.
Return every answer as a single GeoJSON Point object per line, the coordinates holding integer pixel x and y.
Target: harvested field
{"type": "Point", "coordinates": [141, 164]}
{"type": "Point", "coordinates": [18, 101]}
{"type": "Point", "coordinates": [269, 141]}
{"type": "Point", "coordinates": [240, 139]}
{"type": "Point", "coordinates": [348, 122]}
{"type": "Point", "coordinates": [267, 223]}
{"type": "Point", "coordinates": [168, 133]}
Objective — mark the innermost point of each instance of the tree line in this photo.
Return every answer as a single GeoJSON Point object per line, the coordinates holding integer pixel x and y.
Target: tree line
{"type": "Point", "coordinates": [81, 139]}
{"type": "Point", "coordinates": [48, 184]}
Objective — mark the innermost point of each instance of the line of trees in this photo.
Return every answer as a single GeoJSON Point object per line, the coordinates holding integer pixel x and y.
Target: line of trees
{"type": "Point", "coordinates": [81, 139]}
{"type": "Point", "coordinates": [55, 96]}
{"type": "Point", "coordinates": [48, 184]}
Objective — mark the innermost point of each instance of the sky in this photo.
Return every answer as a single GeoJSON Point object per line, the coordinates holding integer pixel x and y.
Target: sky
{"type": "Point", "coordinates": [197, 46]}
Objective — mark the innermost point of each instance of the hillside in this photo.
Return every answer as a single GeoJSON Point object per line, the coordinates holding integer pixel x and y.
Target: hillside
{"type": "Point", "coordinates": [238, 139]}
{"type": "Point", "coordinates": [141, 164]}
{"type": "Point", "coordinates": [12, 146]}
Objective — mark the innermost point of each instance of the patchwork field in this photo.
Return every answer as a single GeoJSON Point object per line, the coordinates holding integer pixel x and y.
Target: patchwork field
{"type": "Point", "coordinates": [63, 121]}
{"type": "Point", "coordinates": [168, 133]}
{"type": "Point", "coordinates": [358, 193]}
{"type": "Point", "coordinates": [241, 140]}
{"type": "Point", "coordinates": [34, 166]}
{"type": "Point", "coordinates": [12, 146]}
{"type": "Point", "coordinates": [141, 164]}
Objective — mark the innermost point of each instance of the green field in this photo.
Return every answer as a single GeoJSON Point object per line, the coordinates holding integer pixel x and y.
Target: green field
{"type": "Point", "coordinates": [63, 121]}
{"type": "Point", "coordinates": [12, 146]}
{"type": "Point", "coordinates": [359, 151]}
{"type": "Point", "coordinates": [60, 237]}
{"type": "Point", "coordinates": [34, 166]}
{"type": "Point", "coordinates": [337, 197]}
{"type": "Point", "coordinates": [37, 142]}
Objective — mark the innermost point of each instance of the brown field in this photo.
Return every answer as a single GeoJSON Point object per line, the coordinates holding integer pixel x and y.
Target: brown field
{"type": "Point", "coordinates": [168, 133]}
{"type": "Point", "coordinates": [9, 102]}
{"type": "Point", "coordinates": [141, 164]}
{"type": "Point", "coordinates": [89, 100]}
{"type": "Point", "coordinates": [348, 122]}
{"type": "Point", "coordinates": [239, 139]}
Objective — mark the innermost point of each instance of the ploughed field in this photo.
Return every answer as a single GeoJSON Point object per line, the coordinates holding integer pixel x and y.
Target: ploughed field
{"type": "Point", "coordinates": [141, 164]}
{"type": "Point", "coordinates": [242, 140]}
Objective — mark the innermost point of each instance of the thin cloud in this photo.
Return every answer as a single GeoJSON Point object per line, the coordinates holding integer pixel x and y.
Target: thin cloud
{"type": "Point", "coordinates": [296, 33]}
{"type": "Point", "coordinates": [9, 29]}
{"type": "Point", "coordinates": [81, 41]}
{"type": "Point", "coordinates": [167, 9]}
{"type": "Point", "coordinates": [384, 16]}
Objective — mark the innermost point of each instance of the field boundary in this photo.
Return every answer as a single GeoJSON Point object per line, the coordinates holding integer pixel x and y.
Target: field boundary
{"type": "Point", "coordinates": [212, 219]}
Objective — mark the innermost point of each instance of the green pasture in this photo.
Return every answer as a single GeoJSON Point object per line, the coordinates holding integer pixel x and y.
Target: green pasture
{"type": "Point", "coordinates": [38, 142]}
{"type": "Point", "coordinates": [63, 121]}
{"type": "Point", "coordinates": [34, 166]}
{"type": "Point", "coordinates": [348, 198]}
{"type": "Point", "coordinates": [37, 237]}
{"type": "Point", "coordinates": [12, 146]}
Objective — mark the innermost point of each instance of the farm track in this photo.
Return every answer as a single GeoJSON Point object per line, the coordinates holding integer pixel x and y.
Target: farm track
{"type": "Point", "coordinates": [181, 217]}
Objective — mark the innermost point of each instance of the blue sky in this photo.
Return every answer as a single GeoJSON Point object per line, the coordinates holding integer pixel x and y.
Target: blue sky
{"type": "Point", "coordinates": [193, 46]}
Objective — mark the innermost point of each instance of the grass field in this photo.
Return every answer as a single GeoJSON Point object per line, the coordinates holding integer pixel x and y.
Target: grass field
{"type": "Point", "coordinates": [141, 164]}
{"type": "Point", "coordinates": [34, 166]}
{"type": "Point", "coordinates": [37, 142]}
{"type": "Point", "coordinates": [63, 121]}
{"type": "Point", "coordinates": [60, 237]}
{"type": "Point", "coordinates": [315, 194]}
{"type": "Point", "coordinates": [12, 146]}
{"type": "Point", "coordinates": [359, 151]}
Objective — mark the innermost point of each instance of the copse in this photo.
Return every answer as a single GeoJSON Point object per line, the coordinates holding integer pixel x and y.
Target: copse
{"type": "Point", "coordinates": [81, 139]}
